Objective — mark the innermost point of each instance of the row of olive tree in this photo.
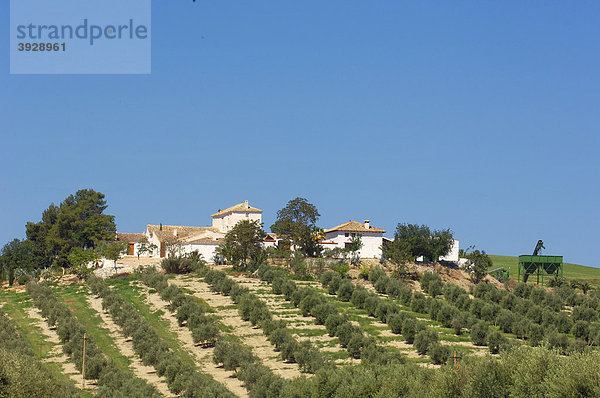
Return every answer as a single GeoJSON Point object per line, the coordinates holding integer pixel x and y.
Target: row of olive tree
{"type": "Point", "coordinates": [112, 380]}
{"type": "Point", "coordinates": [253, 309]}
{"type": "Point", "coordinates": [23, 375]}
{"type": "Point", "coordinates": [183, 379]}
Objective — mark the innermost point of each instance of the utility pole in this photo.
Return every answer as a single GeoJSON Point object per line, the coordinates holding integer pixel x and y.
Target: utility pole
{"type": "Point", "coordinates": [83, 363]}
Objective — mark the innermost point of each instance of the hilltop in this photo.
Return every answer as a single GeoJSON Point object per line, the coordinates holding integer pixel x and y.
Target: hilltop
{"type": "Point", "coordinates": [571, 271]}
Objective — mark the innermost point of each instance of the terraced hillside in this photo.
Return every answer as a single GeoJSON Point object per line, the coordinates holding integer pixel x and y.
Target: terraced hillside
{"type": "Point", "coordinates": [220, 333]}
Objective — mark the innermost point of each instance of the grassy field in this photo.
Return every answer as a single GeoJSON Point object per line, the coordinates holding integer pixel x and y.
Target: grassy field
{"type": "Point", "coordinates": [571, 271]}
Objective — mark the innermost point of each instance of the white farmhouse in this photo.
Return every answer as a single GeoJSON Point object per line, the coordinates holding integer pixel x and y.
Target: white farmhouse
{"type": "Point", "coordinates": [225, 220]}
{"type": "Point", "coordinates": [371, 237]}
{"type": "Point", "coordinates": [452, 255]}
{"type": "Point", "coordinates": [204, 240]}
{"type": "Point", "coordinates": [133, 242]}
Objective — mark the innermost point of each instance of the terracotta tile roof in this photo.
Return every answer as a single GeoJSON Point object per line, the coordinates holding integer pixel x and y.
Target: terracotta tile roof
{"type": "Point", "coordinates": [354, 226]}
{"type": "Point", "coordinates": [204, 241]}
{"type": "Point", "coordinates": [242, 208]}
{"type": "Point", "coordinates": [270, 237]}
{"type": "Point", "coordinates": [179, 231]}
{"type": "Point", "coordinates": [129, 238]}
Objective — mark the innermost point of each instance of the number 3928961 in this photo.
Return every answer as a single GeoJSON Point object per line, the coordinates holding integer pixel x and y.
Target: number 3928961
{"type": "Point", "coordinates": [42, 47]}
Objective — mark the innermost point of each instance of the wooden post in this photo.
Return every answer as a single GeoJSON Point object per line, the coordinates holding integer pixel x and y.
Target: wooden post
{"type": "Point", "coordinates": [83, 363]}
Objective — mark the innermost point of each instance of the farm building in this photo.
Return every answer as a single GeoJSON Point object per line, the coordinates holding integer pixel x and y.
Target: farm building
{"type": "Point", "coordinates": [371, 237]}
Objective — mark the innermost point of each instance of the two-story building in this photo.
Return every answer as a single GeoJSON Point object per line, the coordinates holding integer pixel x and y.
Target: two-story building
{"type": "Point", "coordinates": [371, 238]}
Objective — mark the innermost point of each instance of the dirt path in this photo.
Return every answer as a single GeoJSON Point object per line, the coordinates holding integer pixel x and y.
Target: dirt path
{"type": "Point", "coordinates": [125, 346]}
{"type": "Point", "coordinates": [305, 327]}
{"type": "Point", "coordinates": [203, 356]}
{"type": "Point", "coordinates": [56, 355]}
{"type": "Point", "coordinates": [249, 335]}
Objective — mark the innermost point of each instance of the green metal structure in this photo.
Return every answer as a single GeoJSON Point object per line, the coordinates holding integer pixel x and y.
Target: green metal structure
{"type": "Point", "coordinates": [539, 265]}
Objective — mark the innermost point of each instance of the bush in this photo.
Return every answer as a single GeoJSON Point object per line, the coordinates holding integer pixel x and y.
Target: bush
{"type": "Point", "coordinates": [424, 339]}
{"type": "Point", "coordinates": [418, 303]}
{"type": "Point", "coordinates": [410, 328]}
{"type": "Point", "coordinates": [495, 341]}
{"type": "Point", "coordinates": [333, 321]}
{"type": "Point", "coordinates": [458, 323]}
{"type": "Point", "coordinates": [334, 284]}
{"type": "Point", "coordinates": [479, 333]}
{"type": "Point", "coordinates": [375, 274]}
{"type": "Point", "coordinates": [359, 295]}
{"type": "Point", "coordinates": [395, 322]}
{"type": "Point", "coordinates": [322, 312]}
{"type": "Point", "coordinates": [345, 290]}
{"type": "Point", "coordinates": [345, 331]}
{"type": "Point", "coordinates": [176, 265]}
{"type": "Point", "coordinates": [371, 304]}
{"type": "Point", "coordinates": [382, 284]}
{"type": "Point", "coordinates": [439, 354]}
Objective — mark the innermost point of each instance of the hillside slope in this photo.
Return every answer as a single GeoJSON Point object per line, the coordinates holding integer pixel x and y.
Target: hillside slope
{"type": "Point", "coordinates": [571, 271]}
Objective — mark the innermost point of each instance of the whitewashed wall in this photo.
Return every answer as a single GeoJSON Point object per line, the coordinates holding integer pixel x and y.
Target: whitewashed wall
{"type": "Point", "coordinates": [226, 222]}
{"type": "Point", "coordinates": [371, 243]}
{"type": "Point", "coordinates": [453, 254]}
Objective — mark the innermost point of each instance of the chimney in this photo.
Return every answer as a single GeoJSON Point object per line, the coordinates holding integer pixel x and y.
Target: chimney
{"type": "Point", "coordinates": [175, 232]}
{"type": "Point", "coordinates": [246, 204]}
{"type": "Point", "coordinates": [367, 226]}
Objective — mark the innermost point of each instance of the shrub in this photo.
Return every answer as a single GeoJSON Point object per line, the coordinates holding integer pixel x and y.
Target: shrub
{"type": "Point", "coordinates": [326, 277]}
{"type": "Point", "coordinates": [418, 303]}
{"type": "Point", "coordinates": [371, 304]}
{"type": "Point", "coordinates": [321, 312]}
{"type": "Point", "coordinates": [345, 290]}
{"type": "Point", "coordinates": [359, 295]}
{"type": "Point", "coordinates": [334, 284]}
{"type": "Point", "coordinates": [176, 265]}
{"type": "Point", "coordinates": [382, 284]}
{"type": "Point", "coordinates": [333, 321]}
{"type": "Point", "coordinates": [345, 332]}
{"type": "Point", "coordinates": [375, 274]}
{"type": "Point", "coordinates": [410, 328]}
{"type": "Point", "coordinates": [424, 339]}
{"type": "Point", "coordinates": [395, 322]}
{"type": "Point", "coordinates": [438, 353]}
{"type": "Point", "coordinates": [479, 333]}
{"type": "Point", "coordinates": [495, 341]}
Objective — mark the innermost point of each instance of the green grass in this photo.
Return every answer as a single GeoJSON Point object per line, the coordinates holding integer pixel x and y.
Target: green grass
{"type": "Point", "coordinates": [154, 319]}
{"type": "Point", "coordinates": [15, 306]}
{"type": "Point", "coordinates": [75, 299]}
{"type": "Point", "coordinates": [571, 271]}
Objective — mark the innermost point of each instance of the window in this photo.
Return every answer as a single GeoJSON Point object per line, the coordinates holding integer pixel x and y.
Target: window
{"type": "Point", "coordinates": [346, 234]}
{"type": "Point", "coordinates": [353, 234]}
{"type": "Point", "coordinates": [347, 245]}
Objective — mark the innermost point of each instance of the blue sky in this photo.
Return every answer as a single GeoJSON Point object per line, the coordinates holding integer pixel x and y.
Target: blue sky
{"type": "Point", "coordinates": [478, 116]}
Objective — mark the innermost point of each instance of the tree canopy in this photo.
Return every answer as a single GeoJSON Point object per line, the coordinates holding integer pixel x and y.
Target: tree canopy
{"type": "Point", "coordinates": [16, 254]}
{"type": "Point", "coordinates": [297, 222]}
{"type": "Point", "coordinates": [243, 244]}
{"type": "Point", "coordinates": [79, 221]}
{"type": "Point", "coordinates": [412, 241]}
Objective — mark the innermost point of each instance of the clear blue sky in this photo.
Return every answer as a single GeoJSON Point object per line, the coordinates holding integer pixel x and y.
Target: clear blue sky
{"type": "Point", "coordinates": [478, 116]}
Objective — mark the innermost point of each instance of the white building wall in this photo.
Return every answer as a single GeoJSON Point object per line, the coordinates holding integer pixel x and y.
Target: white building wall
{"type": "Point", "coordinates": [453, 254]}
{"type": "Point", "coordinates": [372, 243]}
{"type": "Point", "coordinates": [226, 222]}
{"type": "Point", "coordinates": [206, 250]}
